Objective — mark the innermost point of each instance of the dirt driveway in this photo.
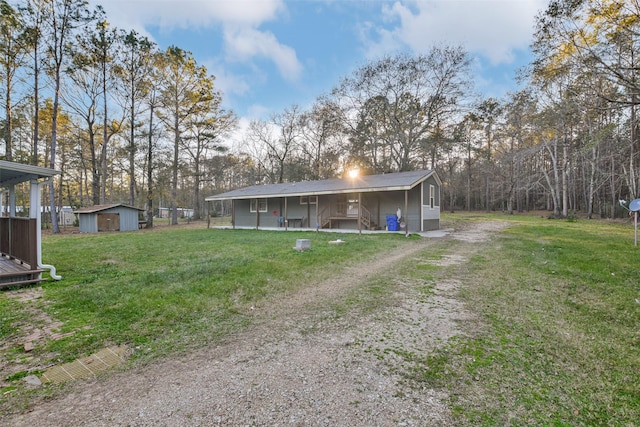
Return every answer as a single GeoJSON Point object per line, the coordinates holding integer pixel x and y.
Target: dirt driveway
{"type": "Point", "coordinates": [301, 364]}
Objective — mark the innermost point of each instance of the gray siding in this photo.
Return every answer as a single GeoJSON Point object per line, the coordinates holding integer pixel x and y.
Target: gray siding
{"type": "Point", "coordinates": [431, 215]}
{"type": "Point", "coordinates": [88, 222]}
{"type": "Point", "coordinates": [128, 218]}
{"type": "Point", "coordinates": [379, 204]}
{"type": "Point", "coordinates": [275, 210]}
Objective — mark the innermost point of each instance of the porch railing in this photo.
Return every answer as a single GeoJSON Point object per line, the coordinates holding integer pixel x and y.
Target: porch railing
{"type": "Point", "coordinates": [327, 214]}
{"type": "Point", "coordinates": [18, 240]}
{"type": "Point", "coordinates": [365, 217]}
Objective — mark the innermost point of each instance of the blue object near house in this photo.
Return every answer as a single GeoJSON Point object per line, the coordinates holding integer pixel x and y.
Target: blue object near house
{"type": "Point", "coordinates": [392, 222]}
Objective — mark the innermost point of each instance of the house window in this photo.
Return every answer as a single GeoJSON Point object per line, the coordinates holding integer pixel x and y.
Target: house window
{"type": "Point", "coordinates": [308, 200]}
{"type": "Point", "coordinates": [258, 204]}
{"type": "Point", "coordinates": [432, 196]}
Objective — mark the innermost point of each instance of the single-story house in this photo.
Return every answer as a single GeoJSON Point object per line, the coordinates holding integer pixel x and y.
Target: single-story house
{"type": "Point", "coordinates": [359, 203]}
{"type": "Point", "coordinates": [115, 217]}
{"type": "Point", "coordinates": [20, 237]}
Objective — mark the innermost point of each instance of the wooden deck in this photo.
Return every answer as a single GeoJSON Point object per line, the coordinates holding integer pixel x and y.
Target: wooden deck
{"type": "Point", "coordinates": [14, 273]}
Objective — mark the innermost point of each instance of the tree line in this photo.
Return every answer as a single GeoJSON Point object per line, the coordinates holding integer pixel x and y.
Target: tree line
{"type": "Point", "coordinates": [127, 122]}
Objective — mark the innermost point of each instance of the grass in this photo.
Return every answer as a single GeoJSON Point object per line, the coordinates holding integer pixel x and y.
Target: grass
{"type": "Point", "coordinates": [560, 341]}
{"type": "Point", "coordinates": [159, 288]}
{"type": "Point", "coordinates": [170, 290]}
{"type": "Point", "coordinates": [554, 340]}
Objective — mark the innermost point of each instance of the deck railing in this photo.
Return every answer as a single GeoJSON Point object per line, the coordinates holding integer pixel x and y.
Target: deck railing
{"type": "Point", "coordinates": [340, 212]}
{"type": "Point", "coordinates": [18, 240]}
{"type": "Point", "coordinates": [365, 217]}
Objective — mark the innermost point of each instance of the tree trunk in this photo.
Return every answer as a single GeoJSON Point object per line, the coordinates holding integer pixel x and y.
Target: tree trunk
{"type": "Point", "coordinates": [150, 170]}
{"type": "Point", "coordinates": [174, 184]}
{"type": "Point", "coordinates": [565, 181]}
{"type": "Point", "coordinates": [105, 136]}
{"type": "Point", "coordinates": [592, 179]}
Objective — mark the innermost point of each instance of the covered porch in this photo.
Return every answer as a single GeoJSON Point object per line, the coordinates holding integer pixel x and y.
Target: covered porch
{"type": "Point", "coordinates": [20, 235]}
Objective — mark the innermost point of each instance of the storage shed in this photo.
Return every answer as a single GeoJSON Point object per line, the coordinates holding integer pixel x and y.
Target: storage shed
{"type": "Point", "coordinates": [117, 217]}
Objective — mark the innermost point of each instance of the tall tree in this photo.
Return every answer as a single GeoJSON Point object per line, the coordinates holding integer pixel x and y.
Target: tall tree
{"type": "Point", "coordinates": [82, 97]}
{"type": "Point", "coordinates": [133, 71]}
{"type": "Point", "coordinates": [486, 116]}
{"type": "Point", "coordinates": [183, 93]}
{"type": "Point", "coordinates": [599, 38]}
{"type": "Point", "coordinates": [278, 138]}
{"type": "Point", "coordinates": [63, 17]}
{"type": "Point", "coordinates": [206, 127]}
{"type": "Point", "coordinates": [416, 94]}
{"type": "Point", "coordinates": [33, 15]}
{"type": "Point", "coordinates": [322, 136]}
{"type": "Point", "coordinates": [12, 54]}
{"type": "Point", "coordinates": [519, 113]}
{"type": "Point", "coordinates": [152, 102]}
{"type": "Point", "coordinates": [101, 42]}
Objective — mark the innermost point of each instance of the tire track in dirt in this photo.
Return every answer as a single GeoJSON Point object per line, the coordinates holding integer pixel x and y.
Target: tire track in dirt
{"type": "Point", "coordinates": [297, 365]}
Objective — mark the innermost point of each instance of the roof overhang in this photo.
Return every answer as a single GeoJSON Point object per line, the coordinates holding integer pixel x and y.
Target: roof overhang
{"type": "Point", "coordinates": [307, 193]}
{"type": "Point", "coordinates": [288, 192]}
{"type": "Point", "coordinates": [100, 208]}
{"type": "Point", "coordinates": [14, 173]}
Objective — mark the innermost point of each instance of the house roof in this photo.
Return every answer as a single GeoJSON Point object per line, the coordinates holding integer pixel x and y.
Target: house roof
{"type": "Point", "coordinates": [99, 208]}
{"type": "Point", "coordinates": [15, 173]}
{"type": "Point", "coordinates": [362, 184]}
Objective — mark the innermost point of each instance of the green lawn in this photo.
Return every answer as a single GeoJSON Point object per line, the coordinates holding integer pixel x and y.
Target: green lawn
{"type": "Point", "coordinates": [560, 343]}
{"type": "Point", "coordinates": [554, 340]}
{"type": "Point", "coordinates": [172, 289]}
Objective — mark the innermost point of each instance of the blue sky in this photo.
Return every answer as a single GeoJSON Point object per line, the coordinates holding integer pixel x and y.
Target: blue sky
{"type": "Point", "coordinates": [270, 54]}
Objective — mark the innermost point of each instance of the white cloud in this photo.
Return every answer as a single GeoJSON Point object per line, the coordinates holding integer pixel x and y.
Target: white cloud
{"type": "Point", "coordinates": [493, 28]}
{"type": "Point", "coordinates": [238, 19]}
{"type": "Point", "coordinates": [226, 81]}
{"type": "Point", "coordinates": [245, 43]}
{"type": "Point", "coordinates": [169, 14]}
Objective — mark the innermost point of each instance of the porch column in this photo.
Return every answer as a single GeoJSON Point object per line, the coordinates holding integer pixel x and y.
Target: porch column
{"type": "Point", "coordinates": [35, 212]}
{"type": "Point", "coordinates": [286, 215]}
{"type": "Point", "coordinates": [422, 206]}
{"type": "Point", "coordinates": [360, 213]}
{"type": "Point", "coordinates": [317, 212]}
{"type": "Point", "coordinates": [233, 213]}
{"type": "Point", "coordinates": [406, 212]}
{"type": "Point", "coordinates": [12, 201]}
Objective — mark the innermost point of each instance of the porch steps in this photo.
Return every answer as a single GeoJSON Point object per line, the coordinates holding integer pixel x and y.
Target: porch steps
{"type": "Point", "coordinates": [13, 273]}
{"type": "Point", "coordinates": [326, 222]}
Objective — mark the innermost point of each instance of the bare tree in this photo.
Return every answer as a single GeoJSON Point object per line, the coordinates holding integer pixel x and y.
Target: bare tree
{"type": "Point", "coordinates": [412, 96]}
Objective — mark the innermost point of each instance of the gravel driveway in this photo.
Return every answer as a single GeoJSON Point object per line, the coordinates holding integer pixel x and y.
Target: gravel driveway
{"type": "Point", "coordinates": [299, 365]}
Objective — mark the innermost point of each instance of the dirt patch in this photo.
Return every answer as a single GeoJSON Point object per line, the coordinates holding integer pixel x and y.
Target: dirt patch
{"type": "Point", "coordinates": [39, 327]}
{"type": "Point", "coordinates": [299, 365]}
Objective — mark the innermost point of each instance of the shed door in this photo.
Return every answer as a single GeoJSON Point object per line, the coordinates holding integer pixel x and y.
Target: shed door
{"type": "Point", "coordinates": [109, 222]}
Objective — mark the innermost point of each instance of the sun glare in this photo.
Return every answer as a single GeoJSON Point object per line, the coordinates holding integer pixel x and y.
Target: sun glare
{"type": "Point", "coordinates": [353, 173]}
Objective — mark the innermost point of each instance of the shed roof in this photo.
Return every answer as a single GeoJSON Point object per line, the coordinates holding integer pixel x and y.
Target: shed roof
{"type": "Point", "coordinates": [15, 173]}
{"type": "Point", "coordinates": [99, 208]}
{"type": "Point", "coordinates": [362, 184]}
